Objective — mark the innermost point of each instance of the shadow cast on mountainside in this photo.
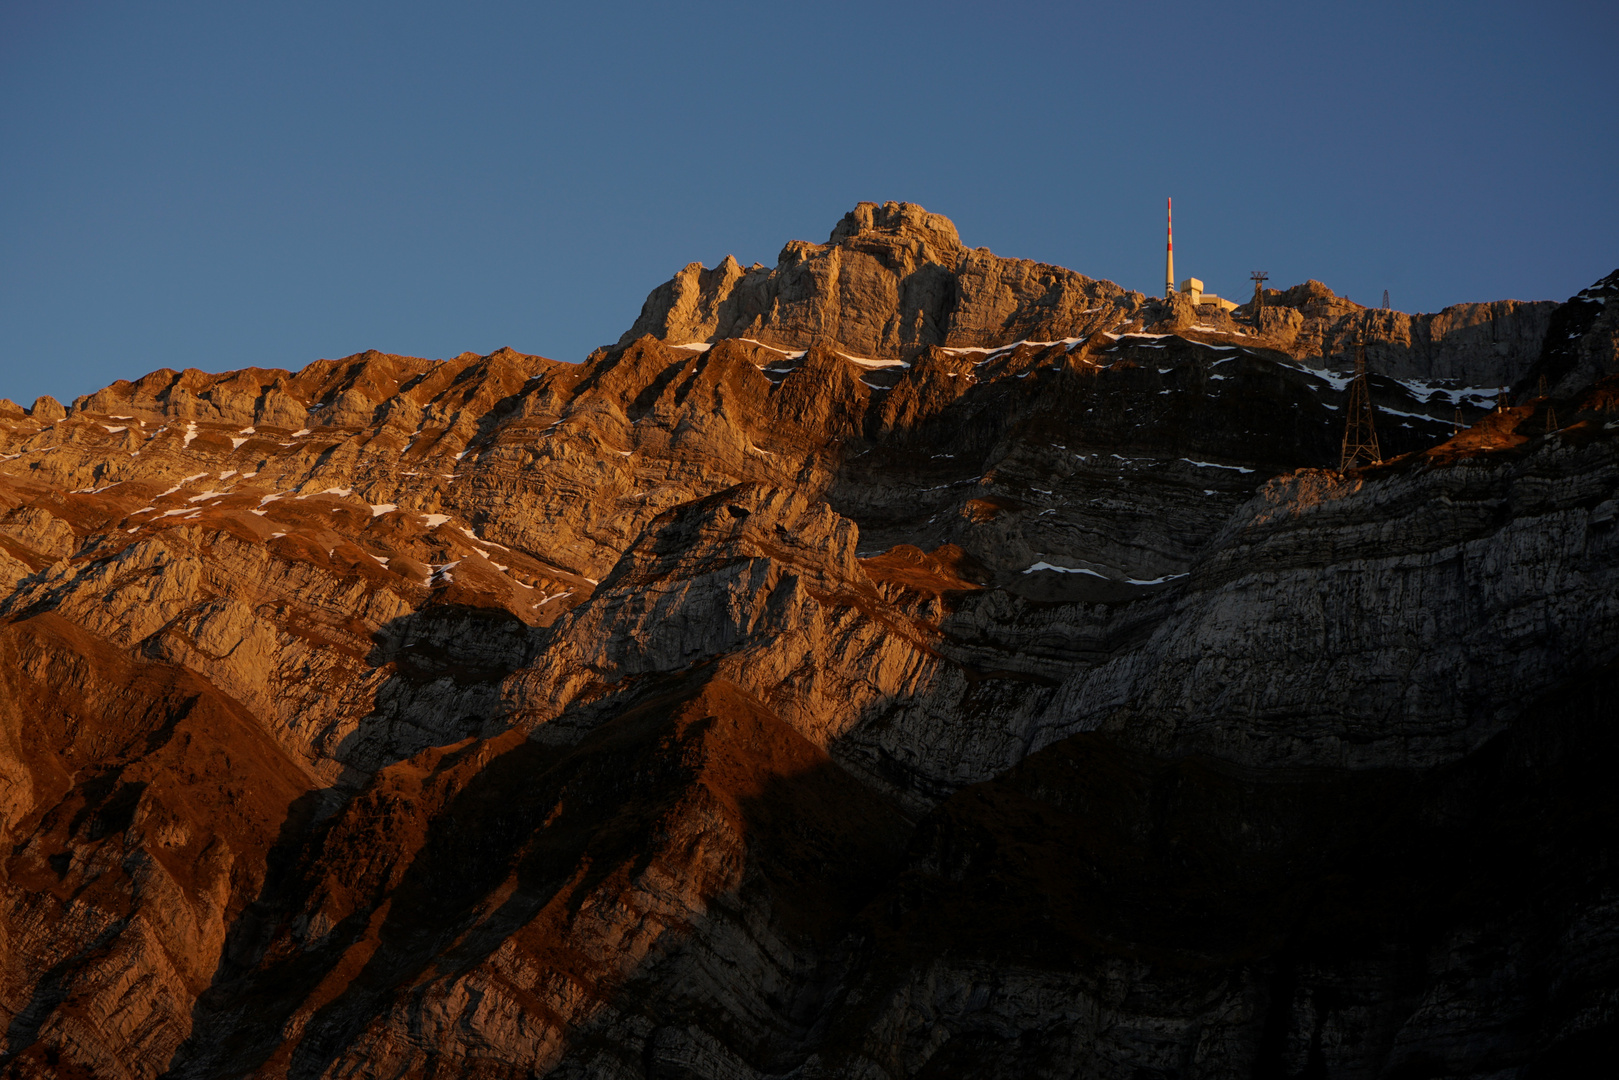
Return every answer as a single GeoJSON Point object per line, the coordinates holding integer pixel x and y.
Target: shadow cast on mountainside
{"type": "Point", "coordinates": [50, 990]}
{"type": "Point", "coordinates": [1340, 903]}
{"type": "Point", "coordinates": [610, 865]}
{"type": "Point", "coordinates": [436, 663]}
{"type": "Point", "coordinates": [449, 663]}
{"type": "Point", "coordinates": [699, 780]}
{"type": "Point", "coordinates": [1259, 407]}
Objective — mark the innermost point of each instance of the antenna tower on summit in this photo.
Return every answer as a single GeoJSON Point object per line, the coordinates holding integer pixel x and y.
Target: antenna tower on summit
{"type": "Point", "coordinates": [1385, 299]}
{"type": "Point", "coordinates": [1169, 254]}
{"type": "Point", "coordinates": [1360, 436]}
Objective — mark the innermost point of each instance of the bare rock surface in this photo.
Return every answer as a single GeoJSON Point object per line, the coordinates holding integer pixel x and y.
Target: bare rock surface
{"type": "Point", "coordinates": [890, 278]}
{"type": "Point", "coordinates": [1582, 342]}
{"type": "Point", "coordinates": [904, 662]}
{"type": "Point", "coordinates": [893, 279]}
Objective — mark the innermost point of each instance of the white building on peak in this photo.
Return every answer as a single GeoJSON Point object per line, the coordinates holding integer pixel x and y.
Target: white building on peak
{"type": "Point", "coordinates": [1193, 287]}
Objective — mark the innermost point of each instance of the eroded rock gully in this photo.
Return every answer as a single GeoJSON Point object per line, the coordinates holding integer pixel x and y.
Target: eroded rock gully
{"type": "Point", "coordinates": [905, 662]}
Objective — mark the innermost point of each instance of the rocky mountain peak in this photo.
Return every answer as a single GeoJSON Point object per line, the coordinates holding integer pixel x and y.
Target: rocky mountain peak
{"type": "Point", "coordinates": [893, 280]}
{"type": "Point", "coordinates": [917, 664]}
{"type": "Point", "coordinates": [902, 221]}
{"type": "Point", "coordinates": [1306, 291]}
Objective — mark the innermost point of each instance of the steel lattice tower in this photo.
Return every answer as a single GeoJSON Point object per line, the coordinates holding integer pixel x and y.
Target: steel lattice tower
{"type": "Point", "coordinates": [1360, 435]}
{"type": "Point", "coordinates": [1260, 277]}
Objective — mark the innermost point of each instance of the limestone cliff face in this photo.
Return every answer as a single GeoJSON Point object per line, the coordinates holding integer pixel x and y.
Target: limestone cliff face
{"type": "Point", "coordinates": [893, 279]}
{"type": "Point", "coordinates": [889, 280]}
{"type": "Point", "coordinates": [1490, 344]}
{"type": "Point", "coordinates": [1012, 691]}
{"type": "Point", "coordinates": [1582, 342]}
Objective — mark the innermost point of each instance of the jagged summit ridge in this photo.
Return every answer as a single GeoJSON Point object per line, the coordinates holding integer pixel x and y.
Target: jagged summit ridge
{"type": "Point", "coordinates": [893, 279]}
{"type": "Point", "coordinates": [901, 220]}
{"type": "Point", "coordinates": [889, 280]}
{"type": "Point", "coordinates": [1028, 711]}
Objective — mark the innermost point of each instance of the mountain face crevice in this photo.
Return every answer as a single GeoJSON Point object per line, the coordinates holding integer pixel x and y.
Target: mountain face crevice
{"type": "Point", "coordinates": [902, 662]}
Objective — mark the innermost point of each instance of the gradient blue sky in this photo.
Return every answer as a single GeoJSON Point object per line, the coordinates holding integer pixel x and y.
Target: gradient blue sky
{"type": "Point", "coordinates": [217, 185]}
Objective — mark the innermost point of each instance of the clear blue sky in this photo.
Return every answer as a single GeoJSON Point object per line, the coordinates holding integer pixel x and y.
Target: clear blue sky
{"type": "Point", "coordinates": [217, 185]}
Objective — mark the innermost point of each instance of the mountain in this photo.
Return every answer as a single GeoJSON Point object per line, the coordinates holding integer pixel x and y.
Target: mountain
{"type": "Point", "coordinates": [893, 279]}
{"type": "Point", "coordinates": [905, 662]}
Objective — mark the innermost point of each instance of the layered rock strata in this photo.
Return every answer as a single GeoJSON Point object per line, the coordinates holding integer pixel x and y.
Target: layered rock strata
{"type": "Point", "coordinates": [865, 698]}
{"type": "Point", "coordinates": [893, 279]}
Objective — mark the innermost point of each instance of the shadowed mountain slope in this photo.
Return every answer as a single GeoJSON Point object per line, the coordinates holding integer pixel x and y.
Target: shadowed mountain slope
{"type": "Point", "coordinates": [905, 662]}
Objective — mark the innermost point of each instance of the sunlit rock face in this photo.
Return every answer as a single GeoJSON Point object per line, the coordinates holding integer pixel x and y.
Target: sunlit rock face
{"type": "Point", "coordinates": [904, 662]}
{"type": "Point", "coordinates": [892, 280]}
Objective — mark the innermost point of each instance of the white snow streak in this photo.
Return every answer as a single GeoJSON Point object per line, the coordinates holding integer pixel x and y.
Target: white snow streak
{"type": "Point", "coordinates": [1215, 465]}
{"type": "Point", "coordinates": [874, 364]}
{"type": "Point", "coordinates": [1063, 570]}
{"type": "Point", "coordinates": [181, 484]}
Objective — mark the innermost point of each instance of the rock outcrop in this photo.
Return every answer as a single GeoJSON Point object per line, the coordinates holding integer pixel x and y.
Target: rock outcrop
{"type": "Point", "coordinates": [904, 662]}
{"type": "Point", "coordinates": [890, 279]}
{"type": "Point", "coordinates": [1581, 342]}
{"type": "Point", "coordinates": [1490, 344]}
{"type": "Point", "coordinates": [893, 279]}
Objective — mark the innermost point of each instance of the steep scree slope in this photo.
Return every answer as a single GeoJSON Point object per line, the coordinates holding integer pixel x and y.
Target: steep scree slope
{"type": "Point", "coordinates": [904, 663]}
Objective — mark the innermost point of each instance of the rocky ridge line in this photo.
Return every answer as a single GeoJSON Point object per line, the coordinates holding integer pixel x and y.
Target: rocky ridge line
{"type": "Point", "coordinates": [732, 712]}
{"type": "Point", "coordinates": [893, 279]}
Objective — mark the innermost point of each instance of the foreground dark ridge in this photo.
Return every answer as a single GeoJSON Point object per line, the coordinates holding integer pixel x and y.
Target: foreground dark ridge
{"type": "Point", "coordinates": [824, 705]}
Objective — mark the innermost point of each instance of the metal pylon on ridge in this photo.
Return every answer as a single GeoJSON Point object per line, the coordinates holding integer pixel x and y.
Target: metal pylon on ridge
{"type": "Point", "coordinates": [1360, 435]}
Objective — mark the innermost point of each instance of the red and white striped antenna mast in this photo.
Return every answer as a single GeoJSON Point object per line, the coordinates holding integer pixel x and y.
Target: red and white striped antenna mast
{"type": "Point", "coordinates": [1169, 254]}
